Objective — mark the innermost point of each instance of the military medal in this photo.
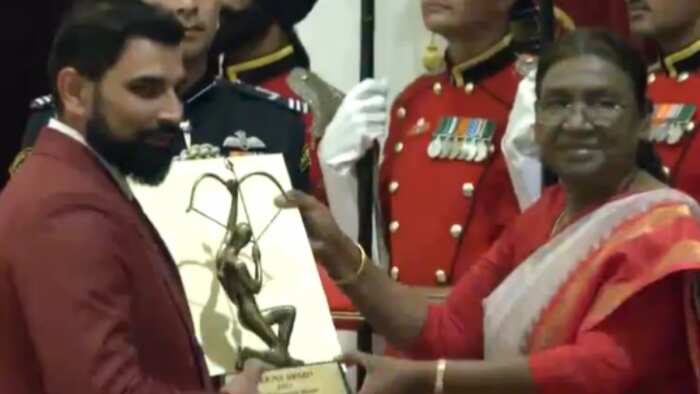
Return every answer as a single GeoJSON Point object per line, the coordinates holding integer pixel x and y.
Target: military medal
{"type": "Point", "coordinates": [435, 146]}
{"type": "Point", "coordinates": [445, 138]}
{"type": "Point", "coordinates": [434, 149]}
{"type": "Point", "coordinates": [483, 140]}
{"type": "Point", "coordinates": [465, 150]}
{"type": "Point", "coordinates": [675, 133]}
{"type": "Point", "coordinates": [458, 138]}
{"type": "Point", "coordinates": [468, 139]}
{"type": "Point", "coordinates": [670, 122]}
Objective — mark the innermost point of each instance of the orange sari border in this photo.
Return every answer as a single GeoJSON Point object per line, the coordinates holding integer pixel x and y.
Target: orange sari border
{"type": "Point", "coordinates": [569, 313]}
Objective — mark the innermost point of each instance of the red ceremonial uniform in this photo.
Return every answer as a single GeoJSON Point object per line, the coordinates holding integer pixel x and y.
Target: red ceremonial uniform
{"type": "Point", "coordinates": [435, 204]}
{"type": "Point", "coordinates": [675, 91]}
{"type": "Point", "coordinates": [275, 72]}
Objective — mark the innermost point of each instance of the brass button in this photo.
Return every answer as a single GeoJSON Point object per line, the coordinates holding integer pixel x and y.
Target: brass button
{"type": "Point", "coordinates": [469, 88]}
{"type": "Point", "coordinates": [393, 187]}
{"type": "Point", "coordinates": [682, 77]}
{"type": "Point", "coordinates": [690, 126]}
{"type": "Point", "coordinates": [666, 170]}
{"type": "Point", "coordinates": [394, 273]}
{"type": "Point", "coordinates": [398, 147]}
{"type": "Point", "coordinates": [421, 123]}
{"type": "Point", "coordinates": [401, 112]}
{"type": "Point", "coordinates": [437, 88]}
{"type": "Point", "coordinates": [394, 226]}
{"type": "Point", "coordinates": [440, 277]}
{"type": "Point", "coordinates": [456, 231]}
{"type": "Point", "coordinates": [651, 78]}
{"type": "Point", "coordinates": [468, 189]}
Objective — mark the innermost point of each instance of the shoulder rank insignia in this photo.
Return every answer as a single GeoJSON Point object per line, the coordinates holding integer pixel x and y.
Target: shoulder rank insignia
{"type": "Point", "coordinates": [316, 93]}
{"type": "Point", "coordinates": [42, 102]}
{"type": "Point", "coordinates": [670, 122]}
{"type": "Point", "coordinates": [294, 105]}
{"type": "Point", "coordinates": [468, 139]}
{"type": "Point", "coordinates": [240, 141]}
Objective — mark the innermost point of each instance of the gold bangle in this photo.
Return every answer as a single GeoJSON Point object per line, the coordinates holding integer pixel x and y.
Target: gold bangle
{"type": "Point", "coordinates": [356, 275]}
{"type": "Point", "coordinates": [440, 376]}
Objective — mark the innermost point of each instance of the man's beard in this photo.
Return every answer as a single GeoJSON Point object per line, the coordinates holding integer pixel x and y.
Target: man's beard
{"type": "Point", "coordinates": [239, 28]}
{"type": "Point", "coordinates": [144, 162]}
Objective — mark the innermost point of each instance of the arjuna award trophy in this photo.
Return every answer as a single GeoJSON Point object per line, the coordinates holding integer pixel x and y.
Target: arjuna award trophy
{"type": "Point", "coordinates": [249, 275]}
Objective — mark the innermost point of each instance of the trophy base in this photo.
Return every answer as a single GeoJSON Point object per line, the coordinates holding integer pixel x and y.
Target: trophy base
{"type": "Point", "coordinates": [308, 379]}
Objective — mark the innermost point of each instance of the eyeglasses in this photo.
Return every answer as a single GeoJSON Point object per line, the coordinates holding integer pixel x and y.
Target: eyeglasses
{"type": "Point", "coordinates": [598, 112]}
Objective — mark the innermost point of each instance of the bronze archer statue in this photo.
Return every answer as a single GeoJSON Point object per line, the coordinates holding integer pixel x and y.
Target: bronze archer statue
{"type": "Point", "coordinates": [242, 287]}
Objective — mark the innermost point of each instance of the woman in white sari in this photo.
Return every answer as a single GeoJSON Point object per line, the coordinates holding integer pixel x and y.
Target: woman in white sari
{"type": "Point", "coordinates": [591, 290]}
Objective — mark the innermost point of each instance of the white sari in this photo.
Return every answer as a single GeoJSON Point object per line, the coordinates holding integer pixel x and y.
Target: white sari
{"type": "Point", "coordinates": [512, 309]}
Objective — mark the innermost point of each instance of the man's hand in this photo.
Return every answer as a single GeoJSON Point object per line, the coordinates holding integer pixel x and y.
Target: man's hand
{"type": "Point", "coordinates": [247, 381]}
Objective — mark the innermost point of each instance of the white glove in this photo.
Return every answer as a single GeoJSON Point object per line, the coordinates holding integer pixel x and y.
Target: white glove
{"type": "Point", "coordinates": [519, 148]}
{"type": "Point", "coordinates": [361, 119]}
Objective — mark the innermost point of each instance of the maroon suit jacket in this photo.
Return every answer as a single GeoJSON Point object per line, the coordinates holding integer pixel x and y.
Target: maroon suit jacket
{"type": "Point", "coordinates": [90, 300]}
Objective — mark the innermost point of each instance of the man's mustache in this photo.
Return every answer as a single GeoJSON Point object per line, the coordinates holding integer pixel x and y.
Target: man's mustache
{"type": "Point", "coordinates": [163, 135]}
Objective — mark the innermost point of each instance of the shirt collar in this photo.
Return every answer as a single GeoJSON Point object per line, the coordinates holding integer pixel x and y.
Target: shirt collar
{"type": "Point", "coordinates": [481, 66]}
{"type": "Point", "coordinates": [257, 70]}
{"type": "Point", "coordinates": [80, 138]}
{"type": "Point", "coordinates": [684, 61]}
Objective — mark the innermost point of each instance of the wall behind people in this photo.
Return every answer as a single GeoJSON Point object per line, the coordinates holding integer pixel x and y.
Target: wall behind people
{"type": "Point", "coordinates": [331, 34]}
{"type": "Point", "coordinates": [25, 38]}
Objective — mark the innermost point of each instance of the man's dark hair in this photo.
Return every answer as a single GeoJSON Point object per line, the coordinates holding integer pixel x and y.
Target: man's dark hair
{"type": "Point", "coordinates": [93, 35]}
{"type": "Point", "coordinates": [611, 48]}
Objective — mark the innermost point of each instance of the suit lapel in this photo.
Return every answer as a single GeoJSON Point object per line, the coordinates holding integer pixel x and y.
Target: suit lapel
{"type": "Point", "coordinates": [54, 144]}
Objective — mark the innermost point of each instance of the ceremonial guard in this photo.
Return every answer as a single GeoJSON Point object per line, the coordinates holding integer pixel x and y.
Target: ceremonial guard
{"type": "Point", "coordinates": [444, 187]}
{"type": "Point", "coordinates": [674, 85]}
{"type": "Point", "coordinates": [261, 48]}
{"type": "Point", "coordinates": [445, 191]}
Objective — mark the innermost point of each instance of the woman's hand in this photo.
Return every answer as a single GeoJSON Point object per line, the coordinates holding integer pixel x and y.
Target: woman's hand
{"type": "Point", "coordinates": [327, 239]}
{"type": "Point", "coordinates": [392, 375]}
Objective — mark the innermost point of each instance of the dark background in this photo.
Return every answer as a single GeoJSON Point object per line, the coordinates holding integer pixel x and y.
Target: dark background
{"type": "Point", "coordinates": [26, 33]}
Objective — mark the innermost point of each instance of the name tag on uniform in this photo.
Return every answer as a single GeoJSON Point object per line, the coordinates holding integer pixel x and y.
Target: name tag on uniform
{"type": "Point", "coordinates": [458, 138]}
{"type": "Point", "coordinates": [670, 122]}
